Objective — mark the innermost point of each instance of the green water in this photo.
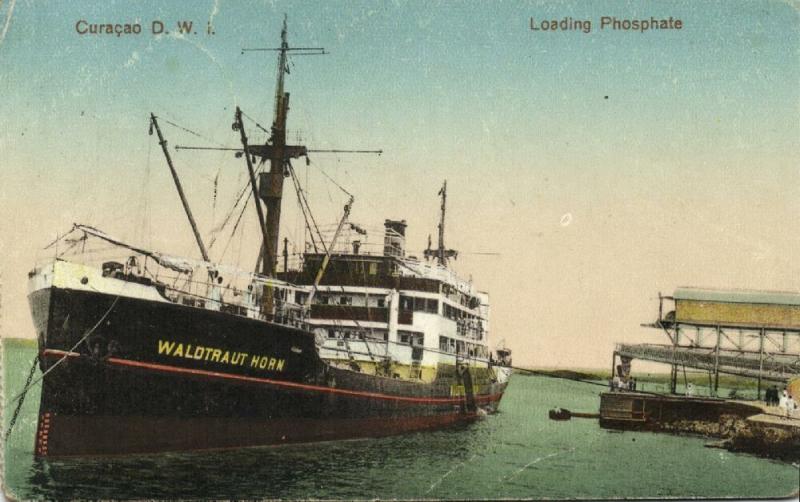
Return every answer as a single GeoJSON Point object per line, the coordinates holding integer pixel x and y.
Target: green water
{"type": "Point", "coordinates": [517, 453]}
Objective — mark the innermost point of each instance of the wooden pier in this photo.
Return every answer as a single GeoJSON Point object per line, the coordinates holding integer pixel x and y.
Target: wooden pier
{"type": "Point", "coordinates": [750, 334]}
{"type": "Point", "coordinates": [745, 426]}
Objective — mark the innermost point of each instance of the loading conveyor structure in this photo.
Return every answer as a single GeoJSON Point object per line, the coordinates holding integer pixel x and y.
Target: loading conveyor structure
{"type": "Point", "coordinates": [753, 334]}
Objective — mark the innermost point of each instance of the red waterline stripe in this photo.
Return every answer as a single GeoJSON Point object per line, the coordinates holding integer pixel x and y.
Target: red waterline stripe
{"type": "Point", "coordinates": [277, 383]}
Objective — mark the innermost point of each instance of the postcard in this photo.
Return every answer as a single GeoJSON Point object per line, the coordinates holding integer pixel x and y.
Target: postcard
{"type": "Point", "coordinates": [400, 249]}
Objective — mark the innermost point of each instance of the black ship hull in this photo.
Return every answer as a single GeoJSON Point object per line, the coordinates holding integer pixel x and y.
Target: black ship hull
{"type": "Point", "coordinates": [155, 376]}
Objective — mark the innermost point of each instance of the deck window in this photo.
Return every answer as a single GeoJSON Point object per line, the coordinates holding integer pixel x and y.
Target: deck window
{"type": "Point", "coordinates": [410, 338]}
{"type": "Point", "coordinates": [450, 312]}
{"type": "Point", "coordinates": [378, 335]}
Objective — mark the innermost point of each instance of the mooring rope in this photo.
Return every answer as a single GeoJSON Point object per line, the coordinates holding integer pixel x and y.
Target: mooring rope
{"type": "Point", "coordinates": [561, 377]}
{"type": "Point", "coordinates": [19, 404]}
{"type": "Point", "coordinates": [29, 383]}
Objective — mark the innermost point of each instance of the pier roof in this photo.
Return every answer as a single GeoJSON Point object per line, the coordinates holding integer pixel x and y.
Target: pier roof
{"type": "Point", "coordinates": [738, 296]}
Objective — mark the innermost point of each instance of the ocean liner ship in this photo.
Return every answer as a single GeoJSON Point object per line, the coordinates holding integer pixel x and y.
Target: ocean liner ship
{"type": "Point", "coordinates": [149, 352]}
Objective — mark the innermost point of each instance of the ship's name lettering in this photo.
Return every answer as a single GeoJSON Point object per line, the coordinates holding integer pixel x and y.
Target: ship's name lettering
{"type": "Point", "coordinates": [215, 355]}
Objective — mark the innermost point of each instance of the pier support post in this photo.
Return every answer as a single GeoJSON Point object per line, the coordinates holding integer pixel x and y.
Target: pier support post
{"type": "Point", "coordinates": [673, 375]}
{"type": "Point", "coordinates": [685, 380]}
{"type": "Point", "coordinates": [716, 361]}
{"type": "Point", "coordinates": [760, 359]}
{"type": "Point", "coordinates": [613, 369]}
{"type": "Point", "coordinates": [673, 379]}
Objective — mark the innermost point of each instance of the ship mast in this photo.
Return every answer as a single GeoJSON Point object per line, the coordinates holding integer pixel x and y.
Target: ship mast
{"type": "Point", "coordinates": [441, 253]}
{"type": "Point", "coordinates": [272, 183]}
{"type": "Point", "coordinates": [270, 186]}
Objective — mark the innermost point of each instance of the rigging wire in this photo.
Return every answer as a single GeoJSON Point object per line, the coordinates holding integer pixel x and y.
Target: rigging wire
{"type": "Point", "coordinates": [308, 191]}
{"type": "Point", "coordinates": [307, 224]}
{"type": "Point", "coordinates": [219, 228]}
{"type": "Point", "coordinates": [193, 132]}
{"type": "Point", "coordinates": [300, 198]}
{"type": "Point", "coordinates": [235, 226]}
{"type": "Point", "coordinates": [241, 240]}
{"type": "Point", "coordinates": [214, 195]}
{"type": "Point", "coordinates": [143, 231]}
{"type": "Point", "coordinates": [300, 194]}
{"type": "Point", "coordinates": [256, 123]}
{"type": "Point", "coordinates": [340, 187]}
{"type": "Point", "coordinates": [245, 190]}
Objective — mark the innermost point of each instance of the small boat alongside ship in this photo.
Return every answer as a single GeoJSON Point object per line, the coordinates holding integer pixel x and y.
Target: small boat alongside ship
{"type": "Point", "coordinates": [148, 352]}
